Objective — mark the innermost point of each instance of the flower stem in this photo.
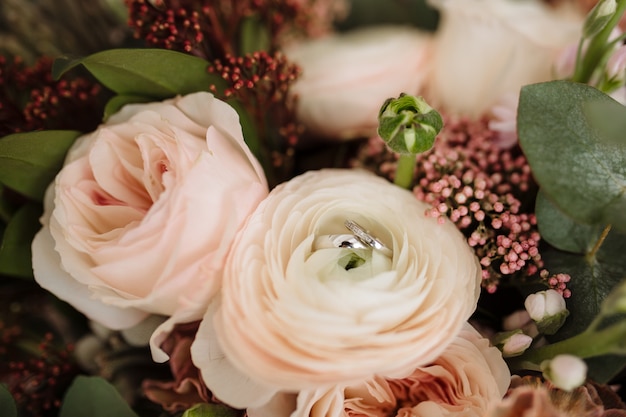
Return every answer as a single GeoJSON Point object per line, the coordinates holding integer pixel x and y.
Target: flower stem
{"type": "Point", "coordinates": [405, 170]}
{"type": "Point", "coordinates": [584, 345]}
{"type": "Point", "coordinates": [592, 254]}
{"type": "Point", "coordinates": [597, 46]}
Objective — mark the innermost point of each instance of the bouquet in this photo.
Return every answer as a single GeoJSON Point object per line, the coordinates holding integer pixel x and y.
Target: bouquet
{"type": "Point", "coordinates": [313, 208]}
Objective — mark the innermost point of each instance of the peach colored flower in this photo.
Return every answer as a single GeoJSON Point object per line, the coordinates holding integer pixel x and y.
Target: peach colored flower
{"type": "Point", "coordinates": [484, 49]}
{"type": "Point", "coordinates": [346, 78]}
{"type": "Point", "coordinates": [463, 381]}
{"type": "Point", "coordinates": [141, 216]}
{"type": "Point", "coordinates": [294, 315]}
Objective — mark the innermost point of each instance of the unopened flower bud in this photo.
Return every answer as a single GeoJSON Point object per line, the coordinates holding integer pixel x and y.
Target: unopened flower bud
{"type": "Point", "coordinates": [408, 124]}
{"type": "Point", "coordinates": [599, 17]}
{"type": "Point", "coordinates": [547, 309]}
{"type": "Point", "coordinates": [565, 371]}
{"type": "Point", "coordinates": [512, 343]}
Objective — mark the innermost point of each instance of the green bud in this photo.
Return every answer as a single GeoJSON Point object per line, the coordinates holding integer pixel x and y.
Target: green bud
{"type": "Point", "coordinates": [408, 124]}
{"type": "Point", "coordinates": [598, 17]}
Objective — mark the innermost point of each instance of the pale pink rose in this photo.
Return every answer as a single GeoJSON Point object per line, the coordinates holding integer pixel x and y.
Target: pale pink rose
{"type": "Point", "coordinates": [141, 216]}
{"type": "Point", "coordinates": [484, 49]}
{"type": "Point", "coordinates": [346, 78]}
{"type": "Point", "coordinates": [293, 316]}
{"type": "Point", "coordinates": [465, 380]}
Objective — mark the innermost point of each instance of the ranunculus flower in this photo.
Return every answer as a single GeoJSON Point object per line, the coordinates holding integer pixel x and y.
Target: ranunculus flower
{"type": "Point", "coordinates": [346, 78]}
{"type": "Point", "coordinates": [484, 49]}
{"type": "Point", "coordinates": [465, 380]}
{"type": "Point", "coordinates": [296, 315]}
{"type": "Point", "coordinates": [141, 216]}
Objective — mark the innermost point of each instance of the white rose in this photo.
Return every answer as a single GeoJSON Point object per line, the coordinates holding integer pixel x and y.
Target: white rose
{"type": "Point", "coordinates": [296, 316]}
{"type": "Point", "coordinates": [141, 216]}
{"type": "Point", "coordinates": [484, 49]}
{"type": "Point", "coordinates": [346, 78]}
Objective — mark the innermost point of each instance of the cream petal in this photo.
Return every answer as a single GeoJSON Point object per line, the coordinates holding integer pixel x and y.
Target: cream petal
{"type": "Point", "coordinates": [48, 274]}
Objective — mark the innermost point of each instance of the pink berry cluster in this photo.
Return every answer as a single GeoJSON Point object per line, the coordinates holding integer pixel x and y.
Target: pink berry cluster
{"type": "Point", "coordinates": [36, 378]}
{"type": "Point", "coordinates": [31, 100]}
{"type": "Point", "coordinates": [487, 191]}
{"type": "Point", "coordinates": [260, 82]}
{"type": "Point", "coordinates": [211, 29]}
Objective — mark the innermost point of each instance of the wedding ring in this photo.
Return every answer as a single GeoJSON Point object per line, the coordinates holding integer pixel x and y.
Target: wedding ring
{"type": "Point", "coordinates": [338, 241]}
{"type": "Point", "coordinates": [365, 237]}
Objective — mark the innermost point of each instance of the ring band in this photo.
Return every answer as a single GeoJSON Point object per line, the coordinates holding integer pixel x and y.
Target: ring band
{"type": "Point", "coordinates": [338, 241]}
{"type": "Point", "coordinates": [365, 237]}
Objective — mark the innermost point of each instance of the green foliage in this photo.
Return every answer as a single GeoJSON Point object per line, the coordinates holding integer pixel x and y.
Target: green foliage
{"type": "Point", "coordinates": [7, 404]}
{"type": "Point", "coordinates": [94, 397]}
{"type": "Point", "coordinates": [15, 252]}
{"type": "Point", "coordinates": [563, 232]}
{"type": "Point", "coordinates": [581, 170]}
{"type": "Point", "coordinates": [154, 73]}
{"type": "Point", "coordinates": [210, 410]}
{"type": "Point", "coordinates": [581, 174]}
{"type": "Point", "coordinates": [30, 161]}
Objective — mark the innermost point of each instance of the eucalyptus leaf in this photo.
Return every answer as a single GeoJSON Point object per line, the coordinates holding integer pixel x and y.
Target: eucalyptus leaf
{"type": "Point", "coordinates": [15, 252]}
{"type": "Point", "coordinates": [154, 73]}
{"type": "Point", "coordinates": [94, 397]}
{"type": "Point", "coordinates": [7, 403]}
{"type": "Point", "coordinates": [592, 280]}
{"type": "Point", "coordinates": [561, 231]}
{"type": "Point", "coordinates": [609, 118]}
{"type": "Point", "coordinates": [582, 175]}
{"type": "Point", "coordinates": [30, 161]}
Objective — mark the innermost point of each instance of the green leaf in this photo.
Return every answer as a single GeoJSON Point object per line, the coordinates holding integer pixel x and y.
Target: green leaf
{"type": "Point", "coordinates": [7, 403]}
{"type": "Point", "coordinates": [94, 397]}
{"type": "Point", "coordinates": [154, 73]}
{"type": "Point", "coordinates": [117, 102]}
{"type": "Point", "coordinates": [30, 161]}
{"type": "Point", "coordinates": [254, 35]}
{"type": "Point", "coordinates": [582, 175]}
{"type": "Point", "coordinates": [609, 118]}
{"type": "Point", "coordinates": [592, 280]}
{"type": "Point", "coordinates": [210, 410]}
{"type": "Point", "coordinates": [561, 231]}
{"type": "Point", "coordinates": [15, 252]}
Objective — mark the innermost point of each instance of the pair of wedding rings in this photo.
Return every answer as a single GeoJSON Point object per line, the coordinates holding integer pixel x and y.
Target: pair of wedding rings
{"type": "Point", "coordinates": [359, 239]}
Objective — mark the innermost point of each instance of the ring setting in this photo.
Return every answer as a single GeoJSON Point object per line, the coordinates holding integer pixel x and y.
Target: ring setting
{"type": "Point", "coordinates": [360, 239]}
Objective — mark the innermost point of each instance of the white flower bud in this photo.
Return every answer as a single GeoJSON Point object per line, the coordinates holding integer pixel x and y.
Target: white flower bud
{"type": "Point", "coordinates": [565, 371]}
{"type": "Point", "coordinates": [599, 17]}
{"type": "Point", "coordinates": [512, 343]}
{"type": "Point", "coordinates": [547, 309]}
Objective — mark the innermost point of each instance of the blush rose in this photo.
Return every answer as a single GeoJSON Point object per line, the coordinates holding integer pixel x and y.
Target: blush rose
{"type": "Point", "coordinates": [141, 216]}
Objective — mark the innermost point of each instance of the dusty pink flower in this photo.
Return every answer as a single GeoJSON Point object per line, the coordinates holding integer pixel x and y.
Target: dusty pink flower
{"type": "Point", "coordinates": [294, 316]}
{"type": "Point", "coordinates": [140, 218]}
{"type": "Point", "coordinates": [187, 388]}
{"type": "Point", "coordinates": [463, 381]}
{"type": "Point", "coordinates": [530, 396]}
